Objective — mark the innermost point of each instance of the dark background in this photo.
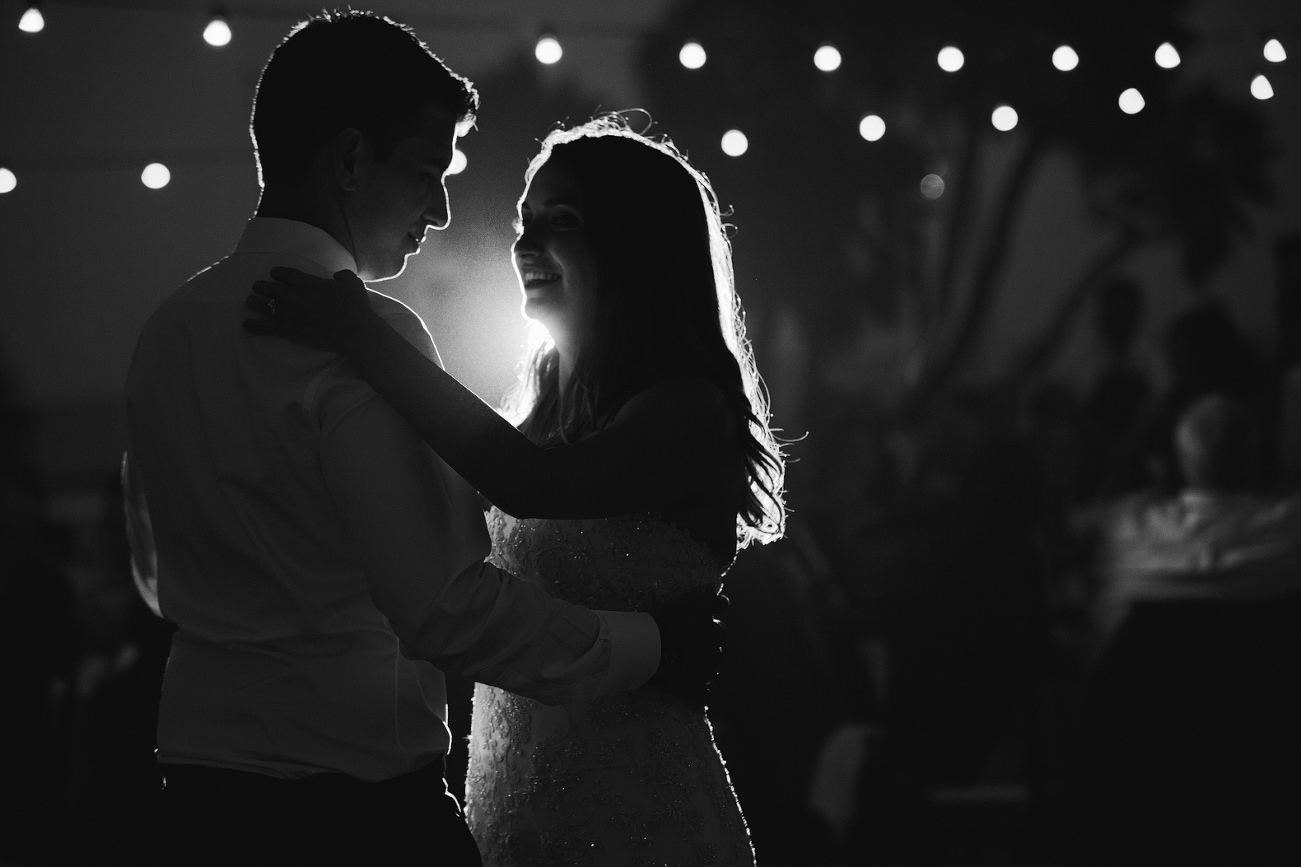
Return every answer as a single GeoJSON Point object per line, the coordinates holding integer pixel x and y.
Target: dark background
{"type": "Point", "coordinates": [937, 361]}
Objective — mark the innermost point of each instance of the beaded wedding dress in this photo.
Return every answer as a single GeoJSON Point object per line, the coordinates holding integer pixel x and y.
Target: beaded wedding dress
{"type": "Point", "coordinates": [631, 779]}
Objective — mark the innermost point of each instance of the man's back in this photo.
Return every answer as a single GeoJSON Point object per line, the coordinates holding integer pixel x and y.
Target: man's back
{"type": "Point", "coordinates": [282, 663]}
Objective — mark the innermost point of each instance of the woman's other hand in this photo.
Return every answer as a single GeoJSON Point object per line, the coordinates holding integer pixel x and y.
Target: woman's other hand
{"type": "Point", "coordinates": [326, 314]}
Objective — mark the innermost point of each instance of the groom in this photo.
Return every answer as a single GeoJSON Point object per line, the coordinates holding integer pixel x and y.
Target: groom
{"type": "Point", "coordinates": [322, 565]}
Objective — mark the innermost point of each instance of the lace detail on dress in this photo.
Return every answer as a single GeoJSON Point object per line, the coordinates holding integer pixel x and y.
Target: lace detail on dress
{"type": "Point", "coordinates": [630, 779]}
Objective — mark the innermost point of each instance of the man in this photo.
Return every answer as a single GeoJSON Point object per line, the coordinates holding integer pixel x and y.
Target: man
{"type": "Point", "coordinates": [1190, 716]}
{"type": "Point", "coordinates": [318, 560]}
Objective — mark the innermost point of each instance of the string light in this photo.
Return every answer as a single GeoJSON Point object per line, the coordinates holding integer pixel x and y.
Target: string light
{"type": "Point", "coordinates": [32, 21]}
{"type": "Point", "coordinates": [735, 143]}
{"type": "Point", "coordinates": [950, 58]}
{"type": "Point", "coordinates": [7, 181]}
{"type": "Point", "coordinates": [1065, 58]}
{"type": "Point", "coordinates": [692, 55]}
{"type": "Point", "coordinates": [217, 33]}
{"type": "Point", "coordinates": [871, 127]}
{"type": "Point", "coordinates": [827, 57]}
{"type": "Point", "coordinates": [1274, 52]}
{"type": "Point", "coordinates": [1131, 101]}
{"type": "Point", "coordinates": [1261, 88]}
{"type": "Point", "coordinates": [1004, 118]}
{"type": "Point", "coordinates": [548, 50]}
{"type": "Point", "coordinates": [932, 186]}
{"type": "Point", "coordinates": [1167, 56]}
{"type": "Point", "coordinates": [458, 162]}
{"type": "Point", "coordinates": [155, 176]}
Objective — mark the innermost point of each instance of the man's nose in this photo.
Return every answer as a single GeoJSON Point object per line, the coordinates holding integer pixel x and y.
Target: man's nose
{"type": "Point", "coordinates": [439, 212]}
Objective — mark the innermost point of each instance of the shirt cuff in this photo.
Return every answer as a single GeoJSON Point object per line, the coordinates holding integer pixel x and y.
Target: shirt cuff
{"type": "Point", "coordinates": [634, 649]}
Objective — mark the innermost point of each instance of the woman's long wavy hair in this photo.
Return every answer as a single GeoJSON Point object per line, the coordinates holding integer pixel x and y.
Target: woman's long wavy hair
{"type": "Point", "coordinates": [666, 306]}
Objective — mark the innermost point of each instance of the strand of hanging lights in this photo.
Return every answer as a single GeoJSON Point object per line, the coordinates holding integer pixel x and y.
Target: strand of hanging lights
{"type": "Point", "coordinates": [827, 58]}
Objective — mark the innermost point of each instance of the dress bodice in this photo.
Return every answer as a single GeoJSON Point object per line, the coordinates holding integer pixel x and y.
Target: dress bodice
{"type": "Point", "coordinates": [628, 779]}
{"type": "Point", "coordinates": [629, 563]}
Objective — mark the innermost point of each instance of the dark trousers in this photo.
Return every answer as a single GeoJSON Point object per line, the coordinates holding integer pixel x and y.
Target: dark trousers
{"type": "Point", "coordinates": [217, 816]}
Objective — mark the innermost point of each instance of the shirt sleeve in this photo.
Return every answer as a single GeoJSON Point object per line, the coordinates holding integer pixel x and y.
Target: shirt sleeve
{"type": "Point", "coordinates": [422, 543]}
{"type": "Point", "coordinates": [140, 536]}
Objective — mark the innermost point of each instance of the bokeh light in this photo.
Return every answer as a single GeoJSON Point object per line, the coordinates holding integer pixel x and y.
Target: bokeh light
{"type": "Point", "coordinates": [827, 58]}
{"type": "Point", "coordinates": [871, 127]}
{"type": "Point", "coordinates": [1131, 101]}
{"type": "Point", "coordinates": [32, 21]}
{"type": "Point", "coordinates": [1167, 57]}
{"type": "Point", "coordinates": [155, 176]}
{"type": "Point", "coordinates": [735, 143]}
{"type": "Point", "coordinates": [932, 186]}
{"type": "Point", "coordinates": [548, 50]}
{"type": "Point", "coordinates": [1274, 52]}
{"type": "Point", "coordinates": [217, 33]}
{"type": "Point", "coordinates": [692, 55]}
{"type": "Point", "coordinates": [8, 180]}
{"type": "Point", "coordinates": [950, 58]}
{"type": "Point", "coordinates": [1261, 88]}
{"type": "Point", "coordinates": [1004, 118]}
{"type": "Point", "coordinates": [1065, 58]}
{"type": "Point", "coordinates": [458, 162]}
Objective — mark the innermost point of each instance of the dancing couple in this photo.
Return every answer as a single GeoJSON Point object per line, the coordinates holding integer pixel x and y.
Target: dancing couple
{"type": "Point", "coordinates": [305, 490]}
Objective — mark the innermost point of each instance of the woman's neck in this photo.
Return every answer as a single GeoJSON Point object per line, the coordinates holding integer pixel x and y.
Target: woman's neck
{"type": "Point", "coordinates": [565, 366]}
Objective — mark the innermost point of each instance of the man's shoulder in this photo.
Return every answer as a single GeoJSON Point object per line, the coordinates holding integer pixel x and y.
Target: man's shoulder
{"type": "Point", "coordinates": [404, 321]}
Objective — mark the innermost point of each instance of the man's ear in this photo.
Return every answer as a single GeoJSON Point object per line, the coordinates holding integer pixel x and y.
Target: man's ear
{"type": "Point", "coordinates": [346, 153]}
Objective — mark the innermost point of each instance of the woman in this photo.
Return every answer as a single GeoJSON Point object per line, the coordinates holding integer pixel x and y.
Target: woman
{"type": "Point", "coordinates": [642, 461]}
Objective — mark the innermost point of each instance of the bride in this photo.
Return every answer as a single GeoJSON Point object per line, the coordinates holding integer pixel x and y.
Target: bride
{"type": "Point", "coordinates": [642, 461]}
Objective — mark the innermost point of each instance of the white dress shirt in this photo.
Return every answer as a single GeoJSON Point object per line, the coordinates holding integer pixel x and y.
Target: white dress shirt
{"type": "Point", "coordinates": [317, 558]}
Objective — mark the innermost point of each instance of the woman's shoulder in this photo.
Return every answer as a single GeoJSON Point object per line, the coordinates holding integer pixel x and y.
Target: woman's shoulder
{"type": "Point", "coordinates": [686, 395]}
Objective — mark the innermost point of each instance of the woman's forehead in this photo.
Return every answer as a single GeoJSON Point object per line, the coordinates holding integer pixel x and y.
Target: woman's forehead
{"type": "Point", "coordinates": [554, 183]}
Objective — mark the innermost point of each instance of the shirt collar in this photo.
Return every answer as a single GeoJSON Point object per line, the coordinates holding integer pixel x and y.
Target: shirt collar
{"type": "Point", "coordinates": [291, 237]}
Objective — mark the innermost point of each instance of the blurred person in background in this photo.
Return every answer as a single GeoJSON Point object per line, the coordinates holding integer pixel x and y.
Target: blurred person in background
{"type": "Point", "coordinates": [1191, 714]}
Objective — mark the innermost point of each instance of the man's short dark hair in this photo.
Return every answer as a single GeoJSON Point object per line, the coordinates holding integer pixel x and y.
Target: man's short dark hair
{"type": "Point", "coordinates": [347, 69]}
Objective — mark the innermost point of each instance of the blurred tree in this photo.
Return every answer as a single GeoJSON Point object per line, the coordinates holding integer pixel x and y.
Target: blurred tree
{"type": "Point", "coordinates": [838, 228]}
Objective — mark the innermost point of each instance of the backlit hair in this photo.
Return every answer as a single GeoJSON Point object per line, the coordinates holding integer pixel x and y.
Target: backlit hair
{"type": "Point", "coordinates": [666, 305]}
{"type": "Point", "coordinates": [347, 69]}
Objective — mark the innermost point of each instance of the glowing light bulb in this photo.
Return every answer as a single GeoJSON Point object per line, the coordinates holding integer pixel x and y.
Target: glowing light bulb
{"type": "Point", "coordinates": [458, 162]}
{"type": "Point", "coordinates": [1261, 88]}
{"type": "Point", "coordinates": [548, 50]}
{"type": "Point", "coordinates": [735, 143]}
{"type": "Point", "coordinates": [1274, 52]}
{"type": "Point", "coordinates": [7, 181]}
{"type": "Point", "coordinates": [32, 21]}
{"type": "Point", "coordinates": [1167, 57]}
{"type": "Point", "coordinates": [692, 55]}
{"type": "Point", "coordinates": [155, 176]}
{"type": "Point", "coordinates": [871, 128]}
{"type": "Point", "coordinates": [1004, 118]}
{"type": "Point", "coordinates": [1131, 101]}
{"type": "Point", "coordinates": [827, 58]}
{"type": "Point", "coordinates": [932, 186]}
{"type": "Point", "coordinates": [217, 33]}
{"type": "Point", "coordinates": [950, 58]}
{"type": "Point", "coordinates": [1065, 58]}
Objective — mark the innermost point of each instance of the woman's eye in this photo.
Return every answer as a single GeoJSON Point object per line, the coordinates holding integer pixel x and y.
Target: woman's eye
{"type": "Point", "coordinates": [566, 220]}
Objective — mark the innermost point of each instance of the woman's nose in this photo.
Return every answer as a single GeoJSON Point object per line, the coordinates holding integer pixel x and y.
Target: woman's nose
{"type": "Point", "coordinates": [526, 245]}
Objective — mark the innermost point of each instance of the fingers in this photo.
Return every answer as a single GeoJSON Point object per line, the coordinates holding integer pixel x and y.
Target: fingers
{"type": "Point", "coordinates": [260, 303]}
{"type": "Point", "coordinates": [346, 276]}
{"type": "Point", "coordinates": [280, 290]}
